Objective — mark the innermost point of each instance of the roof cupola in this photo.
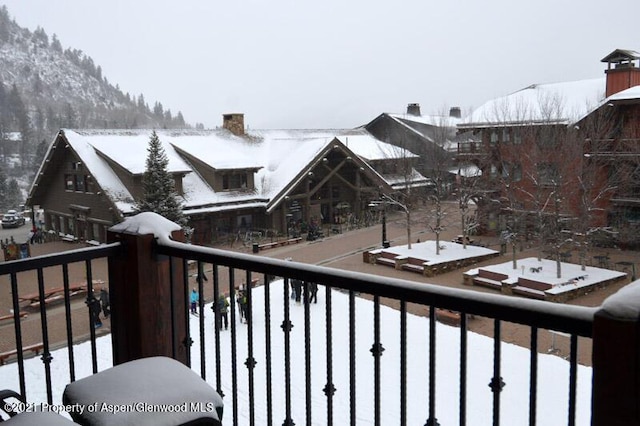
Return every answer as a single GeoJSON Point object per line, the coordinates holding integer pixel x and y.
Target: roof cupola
{"type": "Point", "coordinates": [622, 70]}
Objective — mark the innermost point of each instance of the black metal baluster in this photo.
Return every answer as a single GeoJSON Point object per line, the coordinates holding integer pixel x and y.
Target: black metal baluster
{"type": "Point", "coordinates": [463, 368]}
{"type": "Point", "coordinates": [496, 383]}
{"type": "Point", "coordinates": [234, 345]}
{"type": "Point", "coordinates": [92, 328]}
{"type": "Point", "coordinates": [376, 350]}
{"type": "Point", "coordinates": [533, 376]}
{"type": "Point", "coordinates": [17, 326]}
{"type": "Point", "coordinates": [250, 361]}
{"type": "Point", "coordinates": [403, 363]}
{"type": "Point", "coordinates": [188, 341]}
{"type": "Point", "coordinates": [329, 388]}
{"type": "Point", "coordinates": [286, 328]}
{"type": "Point", "coordinates": [200, 281]}
{"type": "Point", "coordinates": [216, 328]}
{"type": "Point", "coordinates": [67, 309]}
{"type": "Point", "coordinates": [46, 354]}
{"type": "Point", "coordinates": [307, 351]}
{"type": "Point", "coordinates": [267, 344]}
{"type": "Point", "coordinates": [573, 379]}
{"type": "Point", "coordinates": [352, 357]}
{"type": "Point", "coordinates": [432, 421]}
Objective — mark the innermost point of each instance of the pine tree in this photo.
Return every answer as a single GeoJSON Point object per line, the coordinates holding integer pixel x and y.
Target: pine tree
{"type": "Point", "coordinates": [159, 193]}
{"type": "Point", "coordinates": [14, 196]}
{"type": "Point", "coordinates": [3, 190]}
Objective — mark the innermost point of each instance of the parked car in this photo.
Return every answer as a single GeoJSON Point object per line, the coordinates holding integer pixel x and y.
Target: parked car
{"type": "Point", "coordinates": [12, 219]}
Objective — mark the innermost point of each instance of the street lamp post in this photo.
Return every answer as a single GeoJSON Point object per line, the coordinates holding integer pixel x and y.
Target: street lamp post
{"type": "Point", "coordinates": [382, 205]}
{"type": "Point", "coordinates": [385, 199]}
{"type": "Point", "coordinates": [385, 242]}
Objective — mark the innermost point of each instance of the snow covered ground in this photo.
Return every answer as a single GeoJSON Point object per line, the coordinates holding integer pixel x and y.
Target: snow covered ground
{"type": "Point", "coordinates": [544, 271]}
{"type": "Point", "coordinates": [553, 372]}
{"type": "Point", "coordinates": [448, 251]}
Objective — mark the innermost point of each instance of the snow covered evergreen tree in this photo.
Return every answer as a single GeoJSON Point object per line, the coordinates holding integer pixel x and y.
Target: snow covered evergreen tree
{"type": "Point", "coordinates": [159, 192]}
{"type": "Point", "coordinates": [3, 190]}
{"type": "Point", "coordinates": [14, 196]}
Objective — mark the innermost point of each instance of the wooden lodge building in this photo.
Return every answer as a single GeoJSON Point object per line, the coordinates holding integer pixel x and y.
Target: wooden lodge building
{"type": "Point", "coordinates": [571, 148]}
{"type": "Point", "coordinates": [230, 180]}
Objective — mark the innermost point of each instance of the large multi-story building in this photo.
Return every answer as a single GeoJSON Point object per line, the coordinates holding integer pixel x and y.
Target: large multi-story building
{"type": "Point", "coordinates": [563, 151]}
{"type": "Point", "coordinates": [229, 180]}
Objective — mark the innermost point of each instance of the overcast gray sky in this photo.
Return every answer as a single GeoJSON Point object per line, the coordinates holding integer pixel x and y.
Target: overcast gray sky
{"type": "Point", "coordinates": [333, 63]}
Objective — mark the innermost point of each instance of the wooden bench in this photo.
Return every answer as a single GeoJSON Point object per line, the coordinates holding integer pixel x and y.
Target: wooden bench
{"type": "Point", "coordinates": [529, 292]}
{"type": "Point", "coordinates": [273, 244]}
{"type": "Point", "coordinates": [10, 316]}
{"type": "Point", "coordinates": [496, 276]}
{"type": "Point", "coordinates": [386, 258]}
{"type": "Point", "coordinates": [414, 265]}
{"type": "Point", "coordinates": [448, 317]}
{"type": "Point", "coordinates": [36, 348]}
{"type": "Point", "coordinates": [487, 282]}
{"type": "Point", "coordinates": [52, 294]}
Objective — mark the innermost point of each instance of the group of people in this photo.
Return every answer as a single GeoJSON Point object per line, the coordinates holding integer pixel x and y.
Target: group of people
{"type": "Point", "coordinates": [221, 307]}
{"type": "Point", "coordinates": [310, 291]}
{"type": "Point", "coordinates": [36, 235]}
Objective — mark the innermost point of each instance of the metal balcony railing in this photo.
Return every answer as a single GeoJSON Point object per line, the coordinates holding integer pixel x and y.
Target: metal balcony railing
{"type": "Point", "coordinates": [156, 268]}
{"type": "Point", "coordinates": [471, 148]}
{"type": "Point", "coordinates": [613, 148]}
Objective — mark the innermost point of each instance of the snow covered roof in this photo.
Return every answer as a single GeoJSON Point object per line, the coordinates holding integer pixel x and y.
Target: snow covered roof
{"type": "Point", "coordinates": [621, 55]}
{"type": "Point", "coordinates": [418, 124]}
{"type": "Point", "coordinates": [630, 94]}
{"type": "Point", "coordinates": [554, 103]}
{"type": "Point", "coordinates": [277, 157]}
{"type": "Point", "coordinates": [466, 170]}
{"type": "Point", "coordinates": [432, 120]}
{"type": "Point", "coordinates": [369, 148]}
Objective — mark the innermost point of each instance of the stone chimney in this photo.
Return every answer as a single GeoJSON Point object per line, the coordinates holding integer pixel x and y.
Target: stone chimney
{"type": "Point", "coordinates": [413, 109]}
{"type": "Point", "coordinates": [622, 70]}
{"type": "Point", "coordinates": [454, 112]}
{"type": "Point", "coordinates": [233, 123]}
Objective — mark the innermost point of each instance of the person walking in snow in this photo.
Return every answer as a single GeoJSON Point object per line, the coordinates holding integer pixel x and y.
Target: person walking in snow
{"type": "Point", "coordinates": [313, 292]}
{"type": "Point", "coordinates": [194, 300]}
{"type": "Point", "coordinates": [94, 310]}
{"type": "Point", "coordinates": [104, 302]}
{"type": "Point", "coordinates": [222, 308]}
{"type": "Point", "coordinates": [242, 302]}
{"type": "Point", "coordinates": [297, 289]}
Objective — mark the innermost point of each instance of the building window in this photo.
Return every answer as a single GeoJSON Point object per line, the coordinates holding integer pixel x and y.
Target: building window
{"type": "Point", "coordinates": [234, 181]}
{"type": "Point", "coordinates": [76, 165]}
{"type": "Point", "coordinates": [493, 138]}
{"type": "Point", "coordinates": [96, 233]}
{"type": "Point", "coordinates": [88, 184]}
{"type": "Point", "coordinates": [505, 135]}
{"type": "Point", "coordinates": [493, 171]}
{"type": "Point", "coordinates": [517, 137]}
{"type": "Point", "coordinates": [512, 172]}
{"type": "Point", "coordinates": [80, 183]}
{"type": "Point", "coordinates": [548, 173]}
{"type": "Point", "coordinates": [69, 182]}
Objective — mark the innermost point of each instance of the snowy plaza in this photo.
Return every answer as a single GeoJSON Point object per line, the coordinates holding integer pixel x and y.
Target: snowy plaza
{"type": "Point", "coordinates": [424, 257]}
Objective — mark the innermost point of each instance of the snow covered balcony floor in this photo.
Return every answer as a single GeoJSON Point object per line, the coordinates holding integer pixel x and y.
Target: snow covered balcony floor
{"type": "Point", "coordinates": [343, 360]}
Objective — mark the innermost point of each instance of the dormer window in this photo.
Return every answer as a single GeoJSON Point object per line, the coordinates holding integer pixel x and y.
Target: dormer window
{"type": "Point", "coordinates": [234, 181]}
{"type": "Point", "coordinates": [493, 137]}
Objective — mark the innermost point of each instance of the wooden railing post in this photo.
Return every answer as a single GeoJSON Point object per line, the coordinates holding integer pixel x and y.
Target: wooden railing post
{"type": "Point", "coordinates": [616, 359]}
{"type": "Point", "coordinates": [148, 308]}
